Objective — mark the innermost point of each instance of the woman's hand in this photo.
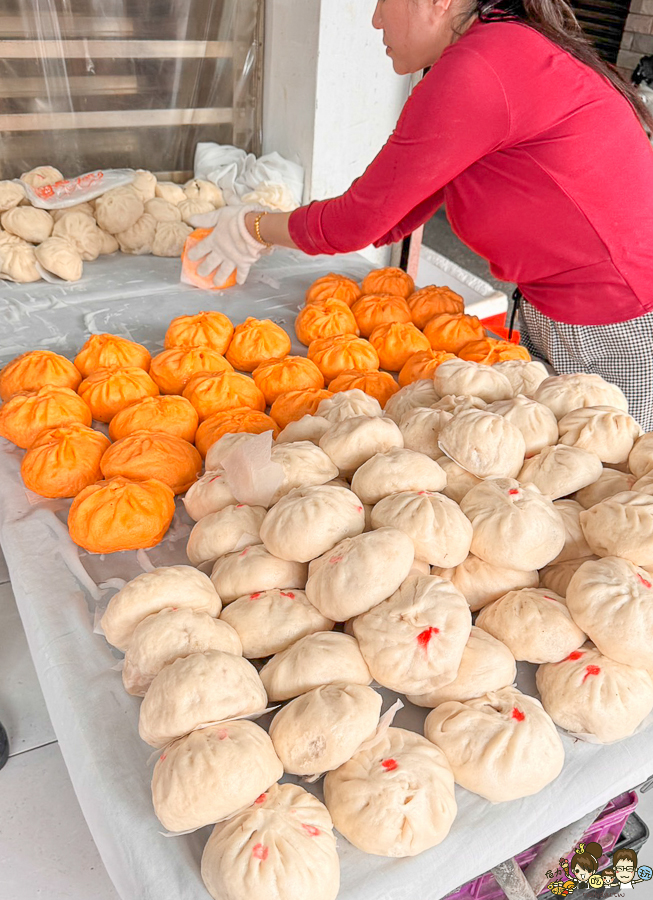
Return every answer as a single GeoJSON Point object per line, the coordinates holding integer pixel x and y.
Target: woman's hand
{"type": "Point", "coordinates": [229, 246]}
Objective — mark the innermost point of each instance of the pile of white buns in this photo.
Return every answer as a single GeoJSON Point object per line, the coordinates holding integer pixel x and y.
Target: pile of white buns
{"type": "Point", "coordinates": [144, 217]}
{"type": "Point", "coordinates": [499, 493]}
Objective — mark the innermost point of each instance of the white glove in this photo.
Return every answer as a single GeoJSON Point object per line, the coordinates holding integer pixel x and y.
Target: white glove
{"type": "Point", "coordinates": [229, 246]}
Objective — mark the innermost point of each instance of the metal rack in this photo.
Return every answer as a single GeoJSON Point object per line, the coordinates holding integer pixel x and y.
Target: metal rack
{"type": "Point", "coordinates": [127, 83]}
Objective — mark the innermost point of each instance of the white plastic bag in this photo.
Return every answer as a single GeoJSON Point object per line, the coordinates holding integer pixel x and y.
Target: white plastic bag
{"type": "Point", "coordinates": [238, 173]}
{"type": "Point", "coordinates": [71, 191]}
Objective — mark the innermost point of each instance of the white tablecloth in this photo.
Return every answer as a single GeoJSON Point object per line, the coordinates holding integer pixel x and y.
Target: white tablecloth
{"type": "Point", "coordinates": [96, 721]}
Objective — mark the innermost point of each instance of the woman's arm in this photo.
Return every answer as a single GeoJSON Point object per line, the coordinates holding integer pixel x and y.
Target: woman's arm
{"type": "Point", "coordinates": [273, 228]}
{"type": "Point", "coordinates": [456, 115]}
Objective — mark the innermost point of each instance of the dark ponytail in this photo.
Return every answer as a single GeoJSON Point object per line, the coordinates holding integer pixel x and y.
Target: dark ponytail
{"type": "Point", "coordinates": [555, 20]}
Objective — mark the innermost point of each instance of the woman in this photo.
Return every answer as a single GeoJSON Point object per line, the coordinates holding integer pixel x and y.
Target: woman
{"type": "Point", "coordinates": [538, 150]}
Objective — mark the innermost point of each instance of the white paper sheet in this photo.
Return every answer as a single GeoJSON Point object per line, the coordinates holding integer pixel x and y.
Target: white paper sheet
{"type": "Point", "coordinates": [97, 722]}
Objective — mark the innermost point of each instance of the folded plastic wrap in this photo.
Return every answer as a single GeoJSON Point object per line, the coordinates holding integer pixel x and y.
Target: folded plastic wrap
{"type": "Point", "coordinates": [251, 475]}
{"type": "Point", "coordinates": [96, 721]}
{"type": "Point", "coordinates": [90, 85]}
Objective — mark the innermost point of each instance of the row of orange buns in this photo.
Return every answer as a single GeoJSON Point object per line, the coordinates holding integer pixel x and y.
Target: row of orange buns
{"type": "Point", "coordinates": [390, 325]}
{"type": "Point", "coordinates": [164, 412]}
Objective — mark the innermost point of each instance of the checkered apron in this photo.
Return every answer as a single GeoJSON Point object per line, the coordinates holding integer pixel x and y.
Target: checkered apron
{"type": "Point", "coordinates": [621, 353]}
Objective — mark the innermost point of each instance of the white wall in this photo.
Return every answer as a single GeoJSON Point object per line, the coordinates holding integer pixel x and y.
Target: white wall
{"type": "Point", "coordinates": [331, 97]}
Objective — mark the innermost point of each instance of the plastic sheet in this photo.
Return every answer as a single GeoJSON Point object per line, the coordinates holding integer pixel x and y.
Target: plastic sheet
{"type": "Point", "coordinates": [126, 83]}
{"type": "Point", "coordinates": [96, 721]}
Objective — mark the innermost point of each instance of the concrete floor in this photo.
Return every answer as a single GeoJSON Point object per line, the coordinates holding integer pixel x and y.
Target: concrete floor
{"type": "Point", "coordinates": [439, 236]}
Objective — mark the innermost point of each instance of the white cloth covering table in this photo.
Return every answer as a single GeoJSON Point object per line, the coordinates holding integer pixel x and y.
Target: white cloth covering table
{"type": "Point", "coordinates": [96, 722]}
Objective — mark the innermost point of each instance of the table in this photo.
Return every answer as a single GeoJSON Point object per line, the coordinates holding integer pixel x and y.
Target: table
{"type": "Point", "coordinates": [59, 588]}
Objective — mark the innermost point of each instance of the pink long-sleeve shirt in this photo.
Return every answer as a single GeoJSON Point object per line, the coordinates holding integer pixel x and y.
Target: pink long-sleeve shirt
{"type": "Point", "coordinates": [543, 166]}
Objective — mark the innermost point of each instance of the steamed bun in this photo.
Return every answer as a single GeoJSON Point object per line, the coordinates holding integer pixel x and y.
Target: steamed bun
{"type": "Point", "coordinates": [213, 773]}
{"type": "Point", "coordinates": [346, 404]}
{"type": "Point", "coordinates": [484, 443]}
{"type": "Point", "coordinates": [119, 209]}
{"type": "Point", "coordinates": [255, 569]}
{"type": "Point", "coordinates": [359, 572]}
{"type": "Point", "coordinates": [421, 429]}
{"type": "Point", "coordinates": [308, 428]}
{"type": "Point", "coordinates": [514, 525]}
{"type": "Point", "coordinates": [138, 239]}
{"type": "Point", "coordinates": [621, 525]}
{"type": "Point", "coordinates": [440, 533]}
{"type": "Point", "coordinates": [563, 393]}
{"type": "Point", "coordinates": [486, 665]}
{"type": "Point", "coordinates": [592, 695]}
{"type": "Point", "coordinates": [353, 441]}
{"type": "Point", "coordinates": [172, 633]}
{"type": "Point", "coordinates": [502, 745]}
{"type": "Point", "coordinates": [26, 222]}
{"type": "Point", "coordinates": [80, 230]}
{"type": "Point", "coordinates": [222, 686]}
{"type": "Point", "coordinates": [525, 377]}
{"type": "Point", "coordinates": [232, 528]}
{"type": "Point", "coordinates": [325, 657]}
{"type": "Point", "coordinates": [640, 461]}
{"type": "Point", "coordinates": [609, 483]}
{"type": "Point", "coordinates": [268, 622]}
{"type": "Point", "coordinates": [605, 430]}
{"type": "Point", "coordinates": [534, 624]}
{"type": "Point", "coordinates": [209, 494]}
{"type": "Point", "coordinates": [536, 422]}
{"type": "Point", "coordinates": [283, 846]}
{"type": "Point", "coordinates": [560, 470]}
{"type": "Point", "coordinates": [459, 376]}
{"type": "Point", "coordinates": [612, 600]}
{"type": "Point", "coordinates": [309, 521]}
{"type": "Point", "coordinates": [303, 464]}
{"type": "Point", "coordinates": [169, 238]}
{"type": "Point", "coordinates": [480, 582]}
{"type": "Point", "coordinates": [12, 193]}
{"type": "Point", "coordinates": [413, 642]}
{"type": "Point", "coordinates": [323, 728]}
{"type": "Point", "coordinates": [395, 798]}
{"type": "Point", "coordinates": [59, 256]}
{"type": "Point", "coordinates": [149, 593]}
{"type": "Point", "coordinates": [396, 471]}
{"type": "Point", "coordinates": [419, 393]}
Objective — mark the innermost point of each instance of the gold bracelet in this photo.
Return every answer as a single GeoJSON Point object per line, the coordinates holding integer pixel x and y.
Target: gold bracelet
{"type": "Point", "coordinates": [257, 230]}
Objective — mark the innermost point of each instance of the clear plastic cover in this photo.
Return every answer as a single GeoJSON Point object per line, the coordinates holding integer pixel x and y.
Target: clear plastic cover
{"type": "Point", "coordinates": [126, 83]}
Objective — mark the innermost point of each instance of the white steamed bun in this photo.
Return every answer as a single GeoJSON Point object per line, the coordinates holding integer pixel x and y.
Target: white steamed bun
{"type": "Point", "coordinates": [326, 657]}
{"type": "Point", "coordinates": [323, 728]}
{"type": "Point", "coordinates": [413, 642]}
{"type": "Point", "coordinates": [486, 665]}
{"type": "Point", "coordinates": [268, 622]}
{"type": "Point", "coordinates": [281, 847]}
{"type": "Point", "coordinates": [213, 773]}
{"type": "Point", "coordinates": [502, 745]}
{"type": "Point", "coordinates": [309, 521]}
{"type": "Point", "coordinates": [594, 696]}
{"type": "Point", "coordinates": [168, 586]}
{"type": "Point", "coordinates": [484, 443]}
{"type": "Point", "coordinates": [255, 569]}
{"type": "Point", "coordinates": [359, 572]}
{"type": "Point", "coordinates": [198, 689]}
{"type": "Point", "coordinates": [395, 798]}
{"type": "Point", "coordinates": [440, 532]}
{"type": "Point", "coordinates": [172, 634]}
{"type": "Point", "coordinates": [534, 624]}
{"type": "Point", "coordinates": [514, 525]}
